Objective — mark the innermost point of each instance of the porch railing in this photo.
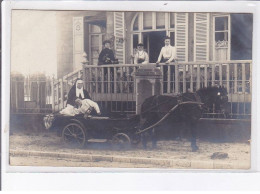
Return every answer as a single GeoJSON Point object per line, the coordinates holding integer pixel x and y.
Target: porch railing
{"type": "Point", "coordinates": [113, 86]}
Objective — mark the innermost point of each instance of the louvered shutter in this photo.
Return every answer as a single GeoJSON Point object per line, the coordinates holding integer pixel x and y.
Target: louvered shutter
{"type": "Point", "coordinates": [119, 33]}
{"type": "Point", "coordinates": [201, 37]}
{"type": "Point", "coordinates": [78, 42]}
{"type": "Point", "coordinates": [181, 22]}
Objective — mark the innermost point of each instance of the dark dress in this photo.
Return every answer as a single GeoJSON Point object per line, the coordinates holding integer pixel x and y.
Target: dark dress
{"type": "Point", "coordinates": [106, 57]}
{"type": "Point", "coordinates": [72, 96]}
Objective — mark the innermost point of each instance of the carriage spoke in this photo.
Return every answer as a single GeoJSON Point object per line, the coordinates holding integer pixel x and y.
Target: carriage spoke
{"type": "Point", "coordinates": [69, 131]}
{"type": "Point", "coordinates": [68, 134]}
{"type": "Point", "coordinates": [80, 138]}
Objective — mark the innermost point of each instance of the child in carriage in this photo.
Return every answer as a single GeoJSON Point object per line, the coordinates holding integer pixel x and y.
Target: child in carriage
{"type": "Point", "coordinates": [84, 106]}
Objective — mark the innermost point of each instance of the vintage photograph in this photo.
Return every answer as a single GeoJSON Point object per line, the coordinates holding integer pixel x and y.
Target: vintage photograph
{"type": "Point", "coordinates": [128, 89]}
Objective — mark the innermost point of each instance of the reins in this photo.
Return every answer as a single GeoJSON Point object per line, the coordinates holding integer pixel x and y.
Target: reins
{"type": "Point", "coordinates": [167, 114]}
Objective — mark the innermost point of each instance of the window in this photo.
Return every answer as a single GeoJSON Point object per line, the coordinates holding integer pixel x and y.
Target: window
{"type": "Point", "coordinates": [160, 20]}
{"type": "Point", "coordinates": [95, 29]}
{"type": "Point", "coordinates": [172, 22]}
{"type": "Point", "coordinates": [221, 35]}
{"type": "Point", "coordinates": [135, 40]}
{"type": "Point", "coordinates": [221, 31]}
{"type": "Point", "coordinates": [150, 28]}
{"type": "Point", "coordinates": [152, 20]}
{"type": "Point", "coordinates": [136, 23]}
{"type": "Point", "coordinates": [148, 20]}
{"type": "Point", "coordinates": [96, 37]}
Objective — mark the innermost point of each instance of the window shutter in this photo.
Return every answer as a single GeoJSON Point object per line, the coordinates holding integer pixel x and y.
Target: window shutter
{"type": "Point", "coordinates": [181, 22]}
{"type": "Point", "coordinates": [78, 42]}
{"type": "Point", "coordinates": [201, 37]}
{"type": "Point", "coordinates": [119, 33]}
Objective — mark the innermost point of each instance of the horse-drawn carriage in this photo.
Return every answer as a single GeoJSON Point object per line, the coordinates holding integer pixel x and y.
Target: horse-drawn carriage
{"type": "Point", "coordinates": [78, 130]}
{"type": "Point", "coordinates": [187, 107]}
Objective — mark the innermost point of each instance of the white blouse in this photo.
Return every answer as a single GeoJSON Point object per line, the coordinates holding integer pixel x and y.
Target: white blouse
{"type": "Point", "coordinates": [141, 55]}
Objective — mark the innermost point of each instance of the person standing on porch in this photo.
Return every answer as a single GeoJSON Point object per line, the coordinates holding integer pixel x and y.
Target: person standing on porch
{"type": "Point", "coordinates": [141, 57]}
{"type": "Point", "coordinates": [106, 56]}
{"type": "Point", "coordinates": [167, 55]}
{"type": "Point", "coordinates": [168, 52]}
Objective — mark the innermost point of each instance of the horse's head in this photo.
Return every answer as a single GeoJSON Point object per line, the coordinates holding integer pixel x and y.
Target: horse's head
{"type": "Point", "coordinates": [214, 98]}
{"type": "Point", "coordinates": [222, 95]}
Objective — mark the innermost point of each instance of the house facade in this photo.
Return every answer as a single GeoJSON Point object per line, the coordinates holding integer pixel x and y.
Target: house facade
{"type": "Point", "coordinates": [212, 49]}
{"type": "Point", "coordinates": [196, 36]}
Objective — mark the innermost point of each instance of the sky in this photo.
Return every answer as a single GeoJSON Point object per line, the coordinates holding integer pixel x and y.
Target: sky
{"type": "Point", "coordinates": [33, 42]}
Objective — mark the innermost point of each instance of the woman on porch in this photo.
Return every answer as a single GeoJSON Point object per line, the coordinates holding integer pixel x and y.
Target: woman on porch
{"type": "Point", "coordinates": [106, 56]}
{"type": "Point", "coordinates": [167, 55]}
{"type": "Point", "coordinates": [141, 57]}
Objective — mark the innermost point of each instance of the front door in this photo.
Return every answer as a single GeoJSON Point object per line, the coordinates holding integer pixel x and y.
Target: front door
{"type": "Point", "coordinates": [155, 41]}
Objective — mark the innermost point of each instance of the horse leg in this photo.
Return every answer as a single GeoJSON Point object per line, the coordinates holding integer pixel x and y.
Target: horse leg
{"type": "Point", "coordinates": [145, 134]}
{"type": "Point", "coordinates": [144, 140]}
{"type": "Point", "coordinates": [193, 128]}
{"type": "Point", "coordinates": [154, 139]}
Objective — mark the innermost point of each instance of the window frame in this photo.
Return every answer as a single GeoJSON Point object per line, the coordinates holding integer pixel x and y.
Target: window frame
{"type": "Point", "coordinates": [100, 37]}
{"type": "Point", "coordinates": [224, 31]}
{"type": "Point", "coordinates": [141, 29]}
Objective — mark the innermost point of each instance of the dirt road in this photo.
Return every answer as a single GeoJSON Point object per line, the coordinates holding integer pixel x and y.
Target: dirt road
{"type": "Point", "coordinates": [176, 150]}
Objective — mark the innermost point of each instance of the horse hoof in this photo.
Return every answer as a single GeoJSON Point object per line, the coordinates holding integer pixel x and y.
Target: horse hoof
{"type": "Point", "coordinates": [194, 149]}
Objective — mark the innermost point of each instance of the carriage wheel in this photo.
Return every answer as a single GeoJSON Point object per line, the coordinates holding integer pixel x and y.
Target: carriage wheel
{"type": "Point", "coordinates": [73, 134]}
{"type": "Point", "coordinates": [121, 141]}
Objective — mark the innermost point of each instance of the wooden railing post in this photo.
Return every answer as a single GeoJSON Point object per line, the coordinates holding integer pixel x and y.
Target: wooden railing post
{"type": "Point", "coordinates": [61, 93]}
{"type": "Point", "coordinates": [115, 80]}
{"type": "Point", "coordinates": [235, 78]}
{"type": "Point", "coordinates": [168, 78]}
{"type": "Point", "coordinates": [205, 75]}
{"type": "Point", "coordinates": [228, 78]}
{"type": "Point", "coordinates": [53, 95]}
{"type": "Point", "coordinates": [108, 80]}
{"type": "Point", "coordinates": [176, 78]}
{"type": "Point", "coordinates": [213, 74]}
{"type": "Point", "coordinates": [243, 78]}
{"type": "Point", "coordinates": [184, 78]}
{"type": "Point", "coordinates": [198, 77]}
{"type": "Point", "coordinates": [84, 75]}
{"type": "Point", "coordinates": [191, 78]}
{"type": "Point", "coordinates": [220, 74]}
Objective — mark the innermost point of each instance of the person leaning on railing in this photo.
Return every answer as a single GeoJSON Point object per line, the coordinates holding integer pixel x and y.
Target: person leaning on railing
{"type": "Point", "coordinates": [168, 52]}
{"type": "Point", "coordinates": [141, 57]}
{"type": "Point", "coordinates": [167, 55]}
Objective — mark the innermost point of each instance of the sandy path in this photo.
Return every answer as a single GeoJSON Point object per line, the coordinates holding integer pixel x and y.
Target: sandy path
{"type": "Point", "coordinates": [237, 152]}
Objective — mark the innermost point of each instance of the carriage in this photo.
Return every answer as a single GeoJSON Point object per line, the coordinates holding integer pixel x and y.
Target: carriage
{"type": "Point", "coordinates": [79, 130]}
{"type": "Point", "coordinates": [124, 131]}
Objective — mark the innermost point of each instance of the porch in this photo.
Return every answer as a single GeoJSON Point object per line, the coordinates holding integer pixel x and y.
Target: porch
{"type": "Point", "coordinates": [113, 86]}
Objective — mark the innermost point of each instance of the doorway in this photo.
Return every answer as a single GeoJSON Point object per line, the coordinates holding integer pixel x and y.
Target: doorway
{"type": "Point", "coordinates": [154, 41]}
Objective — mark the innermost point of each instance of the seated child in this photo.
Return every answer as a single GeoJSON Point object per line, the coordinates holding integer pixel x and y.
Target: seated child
{"type": "Point", "coordinates": [84, 107]}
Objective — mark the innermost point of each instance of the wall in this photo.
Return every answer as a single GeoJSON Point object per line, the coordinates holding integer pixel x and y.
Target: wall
{"type": "Point", "coordinates": [65, 39]}
{"type": "Point", "coordinates": [128, 19]}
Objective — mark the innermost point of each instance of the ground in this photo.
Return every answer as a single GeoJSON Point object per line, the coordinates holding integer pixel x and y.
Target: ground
{"type": "Point", "coordinates": [174, 150]}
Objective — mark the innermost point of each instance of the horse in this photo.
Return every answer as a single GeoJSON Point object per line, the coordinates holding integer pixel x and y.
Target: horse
{"type": "Point", "coordinates": [190, 108]}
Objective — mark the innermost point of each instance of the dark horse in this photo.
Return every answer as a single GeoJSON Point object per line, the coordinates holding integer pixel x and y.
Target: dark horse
{"type": "Point", "coordinates": [156, 107]}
